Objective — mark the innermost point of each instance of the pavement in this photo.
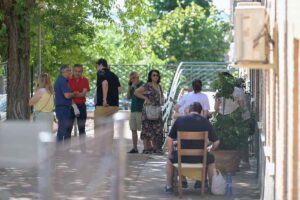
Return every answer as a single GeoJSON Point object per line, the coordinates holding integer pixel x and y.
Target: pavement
{"type": "Point", "coordinates": [78, 175]}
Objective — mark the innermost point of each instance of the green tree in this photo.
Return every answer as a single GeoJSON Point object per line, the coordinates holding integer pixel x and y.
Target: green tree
{"type": "Point", "coordinates": [164, 6]}
{"type": "Point", "coordinates": [19, 17]}
{"type": "Point", "coordinates": [3, 39]}
{"type": "Point", "coordinates": [16, 16]}
{"type": "Point", "coordinates": [189, 35]}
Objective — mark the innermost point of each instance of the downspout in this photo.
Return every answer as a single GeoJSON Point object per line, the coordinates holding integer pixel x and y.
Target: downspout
{"type": "Point", "coordinates": [286, 94]}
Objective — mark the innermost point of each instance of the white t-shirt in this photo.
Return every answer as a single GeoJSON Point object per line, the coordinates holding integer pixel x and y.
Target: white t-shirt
{"type": "Point", "coordinates": [192, 97]}
{"type": "Point", "coordinates": [227, 106]}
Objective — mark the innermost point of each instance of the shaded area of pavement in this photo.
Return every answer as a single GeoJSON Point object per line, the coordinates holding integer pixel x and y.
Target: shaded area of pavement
{"type": "Point", "coordinates": [81, 175]}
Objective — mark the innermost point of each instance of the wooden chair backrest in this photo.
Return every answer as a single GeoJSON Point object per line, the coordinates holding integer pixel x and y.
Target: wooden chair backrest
{"type": "Point", "coordinates": [185, 135]}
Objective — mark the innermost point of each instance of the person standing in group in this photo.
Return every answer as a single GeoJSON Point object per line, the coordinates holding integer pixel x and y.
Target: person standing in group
{"type": "Point", "coordinates": [152, 130]}
{"type": "Point", "coordinates": [108, 89]}
{"type": "Point", "coordinates": [195, 96]}
{"type": "Point", "coordinates": [135, 121]}
{"type": "Point", "coordinates": [63, 102]}
{"type": "Point", "coordinates": [43, 100]}
{"type": "Point", "coordinates": [80, 85]}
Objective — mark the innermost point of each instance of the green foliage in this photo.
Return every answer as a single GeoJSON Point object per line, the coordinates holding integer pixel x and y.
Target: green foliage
{"type": "Point", "coordinates": [165, 6]}
{"type": "Point", "coordinates": [189, 35]}
{"type": "Point", "coordinates": [232, 130]}
{"type": "Point", "coordinates": [224, 85]}
{"type": "Point", "coordinates": [3, 40]}
{"type": "Point", "coordinates": [83, 31]}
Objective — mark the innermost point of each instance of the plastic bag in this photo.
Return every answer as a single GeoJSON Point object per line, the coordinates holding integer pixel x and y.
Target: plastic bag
{"type": "Point", "coordinates": [76, 110]}
{"type": "Point", "coordinates": [218, 185]}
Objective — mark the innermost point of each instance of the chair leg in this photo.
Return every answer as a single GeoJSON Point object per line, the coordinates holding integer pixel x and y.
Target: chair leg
{"type": "Point", "coordinates": [175, 181]}
{"type": "Point", "coordinates": [180, 185]}
{"type": "Point", "coordinates": [203, 178]}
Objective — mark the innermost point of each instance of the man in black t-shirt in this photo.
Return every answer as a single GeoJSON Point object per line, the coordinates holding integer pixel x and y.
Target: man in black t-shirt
{"type": "Point", "coordinates": [108, 86]}
{"type": "Point", "coordinates": [193, 122]}
{"type": "Point", "coordinates": [107, 104]}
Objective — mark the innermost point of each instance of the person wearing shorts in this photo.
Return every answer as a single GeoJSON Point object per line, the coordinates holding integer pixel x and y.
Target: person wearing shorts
{"type": "Point", "coordinates": [135, 121]}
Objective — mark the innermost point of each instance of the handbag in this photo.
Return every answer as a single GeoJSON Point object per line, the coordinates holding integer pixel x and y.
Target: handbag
{"type": "Point", "coordinates": [152, 112]}
{"type": "Point", "coordinates": [35, 113]}
{"type": "Point", "coordinates": [218, 185]}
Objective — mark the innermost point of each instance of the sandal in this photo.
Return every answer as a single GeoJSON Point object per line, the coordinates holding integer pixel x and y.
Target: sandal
{"type": "Point", "coordinates": [147, 151]}
{"type": "Point", "coordinates": [158, 151]}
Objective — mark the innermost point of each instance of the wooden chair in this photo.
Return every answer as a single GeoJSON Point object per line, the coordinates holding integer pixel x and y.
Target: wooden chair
{"type": "Point", "coordinates": [195, 171]}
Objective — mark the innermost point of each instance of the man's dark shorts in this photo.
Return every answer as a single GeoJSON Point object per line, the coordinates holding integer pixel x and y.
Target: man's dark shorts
{"type": "Point", "coordinates": [193, 159]}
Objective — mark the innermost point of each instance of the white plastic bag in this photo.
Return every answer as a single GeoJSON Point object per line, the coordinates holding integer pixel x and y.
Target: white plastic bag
{"type": "Point", "coordinates": [218, 185]}
{"type": "Point", "coordinates": [76, 110]}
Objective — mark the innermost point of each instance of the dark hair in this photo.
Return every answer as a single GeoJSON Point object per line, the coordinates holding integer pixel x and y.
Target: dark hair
{"type": "Point", "coordinates": [197, 85]}
{"type": "Point", "coordinates": [78, 65]}
{"type": "Point", "coordinates": [150, 74]}
{"type": "Point", "coordinates": [63, 67]}
{"type": "Point", "coordinates": [103, 62]}
{"type": "Point", "coordinates": [227, 74]}
{"type": "Point", "coordinates": [195, 107]}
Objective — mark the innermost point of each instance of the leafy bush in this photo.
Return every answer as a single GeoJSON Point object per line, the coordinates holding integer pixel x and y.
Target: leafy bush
{"type": "Point", "coordinates": [232, 129]}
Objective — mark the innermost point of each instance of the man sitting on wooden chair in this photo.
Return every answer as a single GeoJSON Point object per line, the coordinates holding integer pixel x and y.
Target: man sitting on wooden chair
{"type": "Point", "coordinates": [193, 122]}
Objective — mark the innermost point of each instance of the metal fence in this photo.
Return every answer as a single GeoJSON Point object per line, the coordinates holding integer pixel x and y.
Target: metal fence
{"type": "Point", "coordinates": [185, 73]}
{"type": "Point", "coordinates": [123, 71]}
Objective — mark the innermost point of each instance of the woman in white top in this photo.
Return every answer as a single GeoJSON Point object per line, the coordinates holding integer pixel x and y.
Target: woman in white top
{"type": "Point", "coordinates": [195, 96]}
{"type": "Point", "coordinates": [227, 106]}
{"type": "Point", "coordinates": [42, 100]}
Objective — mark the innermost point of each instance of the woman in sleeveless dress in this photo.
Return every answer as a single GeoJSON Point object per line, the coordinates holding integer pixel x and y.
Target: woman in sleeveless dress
{"type": "Point", "coordinates": [152, 130]}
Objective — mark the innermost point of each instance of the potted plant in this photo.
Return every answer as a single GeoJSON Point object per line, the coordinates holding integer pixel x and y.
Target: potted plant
{"type": "Point", "coordinates": [231, 127]}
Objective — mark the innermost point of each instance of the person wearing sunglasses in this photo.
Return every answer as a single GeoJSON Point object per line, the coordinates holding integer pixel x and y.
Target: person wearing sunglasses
{"type": "Point", "coordinates": [152, 130]}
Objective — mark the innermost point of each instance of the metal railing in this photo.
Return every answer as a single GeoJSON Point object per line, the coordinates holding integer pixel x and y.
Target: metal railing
{"type": "Point", "coordinates": [123, 71]}
{"type": "Point", "coordinates": [185, 73]}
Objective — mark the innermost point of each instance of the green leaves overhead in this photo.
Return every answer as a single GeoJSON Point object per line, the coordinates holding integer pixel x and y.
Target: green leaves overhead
{"type": "Point", "coordinates": [165, 6]}
{"type": "Point", "coordinates": [129, 31]}
{"type": "Point", "coordinates": [3, 40]}
{"type": "Point", "coordinates": [189, 35]}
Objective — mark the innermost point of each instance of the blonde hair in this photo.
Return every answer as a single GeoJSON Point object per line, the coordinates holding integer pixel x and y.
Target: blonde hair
{"type": "Point", "coordinates": [132, 74]}
{"type": "Point", "coordinates": [44, 81]}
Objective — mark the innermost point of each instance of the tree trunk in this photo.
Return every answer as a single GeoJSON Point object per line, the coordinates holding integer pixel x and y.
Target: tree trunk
{"type": "Point", "coordinates": [18, 80]}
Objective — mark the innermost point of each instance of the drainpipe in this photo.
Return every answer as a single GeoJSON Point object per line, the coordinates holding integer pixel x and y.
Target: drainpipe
{"type": "Point", "coordinates": [286, 91]}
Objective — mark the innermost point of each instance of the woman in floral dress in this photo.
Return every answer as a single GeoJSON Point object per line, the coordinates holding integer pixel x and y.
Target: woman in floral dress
{"type": "Point", "coordinates": [151, 129]}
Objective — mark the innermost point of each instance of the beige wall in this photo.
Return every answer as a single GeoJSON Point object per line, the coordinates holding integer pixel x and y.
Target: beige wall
{"type": "Point", "coordinates": [281, 119]}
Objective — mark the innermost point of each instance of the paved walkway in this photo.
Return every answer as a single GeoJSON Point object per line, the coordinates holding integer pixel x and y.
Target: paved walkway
{"type": "Point", "coordinates": [79, 176]}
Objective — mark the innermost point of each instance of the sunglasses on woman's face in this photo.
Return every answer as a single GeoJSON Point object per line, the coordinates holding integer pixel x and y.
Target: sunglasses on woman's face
{"type": "Point", "coordinates": [155, 75]}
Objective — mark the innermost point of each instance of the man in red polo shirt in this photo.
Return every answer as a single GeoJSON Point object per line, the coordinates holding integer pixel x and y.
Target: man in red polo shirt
{"type": "Point", "coordinates": [79, 85]}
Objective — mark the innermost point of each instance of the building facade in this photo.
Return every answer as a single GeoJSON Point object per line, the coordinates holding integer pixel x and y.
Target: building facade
{"type": "Point", "coordinates": [276, 92]}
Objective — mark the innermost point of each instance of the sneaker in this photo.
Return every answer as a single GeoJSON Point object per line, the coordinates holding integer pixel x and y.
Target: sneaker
{"type": "Point", "coordinates": [158, 151]}
{"type": "Point", "coordinates": [184, 184]}
{"type": "Point", "coordinates": [168, 190]}
{"type": "Point", "coordinates": [133, 151]}
{"type": "Point", "coordinates": [198, 184]}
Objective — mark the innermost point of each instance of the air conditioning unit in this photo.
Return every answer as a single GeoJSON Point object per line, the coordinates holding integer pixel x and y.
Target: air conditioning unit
{"type": "Point", "coordinates": [250, 34]}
